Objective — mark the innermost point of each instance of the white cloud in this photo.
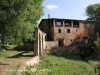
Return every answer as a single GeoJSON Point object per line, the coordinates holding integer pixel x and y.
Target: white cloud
{"type": "Point", "coordinates": [52, 6]}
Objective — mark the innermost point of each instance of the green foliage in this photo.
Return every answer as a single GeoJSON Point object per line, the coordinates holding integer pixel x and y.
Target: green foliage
{"type": "Point", "coordinates": [93, 13]}
{"type": "Point", "coordinates": [96, 46]}
{"type": "Point", "coordinates": [97, 68]}
{"type": "Point", "coordinates": [18, 19]}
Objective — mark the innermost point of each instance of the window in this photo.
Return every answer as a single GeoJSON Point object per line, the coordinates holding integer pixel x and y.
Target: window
{"type": "Point", "coordinates": [59, 30]}
{"type": "Point", "coordinates": [59, 23]}
{"type": "Point", "coordinates": [71, 40]}
{"type": "Point", "coordinates": [68, 30]}
{"type": "Point", "coordinates": [75, 24]}
{"type": "Point", "coordinates": [68, 23]}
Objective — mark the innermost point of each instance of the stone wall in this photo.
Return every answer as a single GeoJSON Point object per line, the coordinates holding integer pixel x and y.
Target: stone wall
{"type": "Point", "coordinates": [67, 50]}
{"type": "Point", "coordinates": [68, 38]}
{"type": "Point", "coordinates": [39, 43]}
{"type": "Point", "coordinates": [33, 61]}
{"type": "Point", "coordinates": [61, 50]}
{"type": "Point", "coordinates": [51, 44]}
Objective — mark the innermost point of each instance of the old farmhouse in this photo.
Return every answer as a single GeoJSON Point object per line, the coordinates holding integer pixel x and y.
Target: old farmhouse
{"type": "Point", "coordinates": [60, 36]}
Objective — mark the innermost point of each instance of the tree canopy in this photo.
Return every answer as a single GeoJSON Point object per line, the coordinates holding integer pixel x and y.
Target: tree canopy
{"type": "Point", "coordinates": [18, 18]}
{"type": "Point", "coordinates": [93, 13]}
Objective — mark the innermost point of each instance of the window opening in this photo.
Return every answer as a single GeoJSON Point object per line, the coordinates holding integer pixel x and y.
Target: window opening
{"type": "Point", "coordinates": [68, 30]}
{"type": "Point", "coordinates": [59, 30]}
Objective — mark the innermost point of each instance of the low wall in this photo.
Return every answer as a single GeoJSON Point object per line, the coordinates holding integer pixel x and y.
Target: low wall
{"type": "Point", "coordinates": [51, 44]}
{"type": "Point", "coordinates": [32, 62]}
{"type": "Point", "coordinates": [61, 50]}
{"type": "Point", "coordinates": [64, 50]}
{"type": "Point", "coordinates": [71, 49]}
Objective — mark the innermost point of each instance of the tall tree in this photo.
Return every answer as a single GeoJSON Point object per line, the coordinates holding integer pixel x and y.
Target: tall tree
{"type": "Point", "coordinates": [18, 18]}
{"type": "Point", "coordinates": [93, 13]}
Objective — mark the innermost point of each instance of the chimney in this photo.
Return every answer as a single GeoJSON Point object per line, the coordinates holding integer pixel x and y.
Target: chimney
{"type": "Point", "coordinates": [48, 16]}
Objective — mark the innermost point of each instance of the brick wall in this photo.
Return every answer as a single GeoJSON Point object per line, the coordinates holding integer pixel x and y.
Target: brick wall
{"type": "Point", "coordinates": [75, 32]}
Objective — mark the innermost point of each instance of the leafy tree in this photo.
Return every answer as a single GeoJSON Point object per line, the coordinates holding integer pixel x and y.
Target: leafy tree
{"type": "Point", "coordinates": [18, 18]}
{"type": "Point", "coordinates": [93, 13]}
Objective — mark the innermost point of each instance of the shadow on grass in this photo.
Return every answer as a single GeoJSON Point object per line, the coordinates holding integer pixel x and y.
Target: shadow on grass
{"type": "Point", "coordinates": [70, 57]}
{"type": "Point", "coordinates": [77, 57]}
{"type": "Point", "coordinates": [21, 55]}
{"type": "Point", "coordinates": [3, 63]}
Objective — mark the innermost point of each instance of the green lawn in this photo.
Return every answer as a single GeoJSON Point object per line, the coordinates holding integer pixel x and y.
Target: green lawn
{"type": "Point", "coordinates": [53, 65]}
{"type": "Point", "coordinates": [16, 54]}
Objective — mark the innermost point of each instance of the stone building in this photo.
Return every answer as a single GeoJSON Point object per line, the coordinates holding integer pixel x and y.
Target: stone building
{"type": "Point", "coordinates": [53, 33]}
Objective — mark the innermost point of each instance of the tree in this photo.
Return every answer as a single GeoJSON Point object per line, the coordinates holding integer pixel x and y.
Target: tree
{"type": "Point", "coordinates": [18, 18]}
{"type": "Point", "coordinates": [93, 13]}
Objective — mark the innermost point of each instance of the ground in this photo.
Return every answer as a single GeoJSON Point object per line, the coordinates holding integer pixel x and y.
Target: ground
{"type": "Point", "coordinates": [11, 60]}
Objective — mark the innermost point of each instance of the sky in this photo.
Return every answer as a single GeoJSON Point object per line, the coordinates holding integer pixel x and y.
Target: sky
{"type": "Point", "coordinates": [67, 9]}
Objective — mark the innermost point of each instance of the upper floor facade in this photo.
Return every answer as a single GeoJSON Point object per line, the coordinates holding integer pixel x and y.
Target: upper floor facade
{"type": "Point", "coordinates": [61, 28]}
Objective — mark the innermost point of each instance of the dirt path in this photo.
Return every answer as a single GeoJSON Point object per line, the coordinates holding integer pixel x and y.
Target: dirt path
{"type": "Point", "coordinates": [9, 66]}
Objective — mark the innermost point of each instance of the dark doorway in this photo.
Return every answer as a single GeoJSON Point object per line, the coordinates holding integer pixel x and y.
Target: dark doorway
{"type": "Point", "coordinates": [61, 43]}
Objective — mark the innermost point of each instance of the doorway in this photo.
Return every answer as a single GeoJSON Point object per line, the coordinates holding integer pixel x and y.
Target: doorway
{"type": "Point", "coordinates": [61, 43]}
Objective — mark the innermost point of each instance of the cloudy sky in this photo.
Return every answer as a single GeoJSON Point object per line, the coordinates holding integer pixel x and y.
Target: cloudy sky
{"type": "Point", "coordinates": [68, 9]}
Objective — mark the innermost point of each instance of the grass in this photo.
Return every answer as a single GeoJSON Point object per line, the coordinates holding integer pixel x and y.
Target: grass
{"type": "Point", "coordinates": [15, 54]}
{"type": "Point", "coordinates": [53, 65]}
{"type": "Point", "coordinates": [11, 60]}
{"type": "Point", "coordinates": [15, 69]}
{"type": "Point", "coordinates": [48, 65]}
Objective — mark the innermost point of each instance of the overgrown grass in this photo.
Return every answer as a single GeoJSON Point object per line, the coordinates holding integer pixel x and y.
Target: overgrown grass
{"type": "Point", "coordinates": [53, 65]}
